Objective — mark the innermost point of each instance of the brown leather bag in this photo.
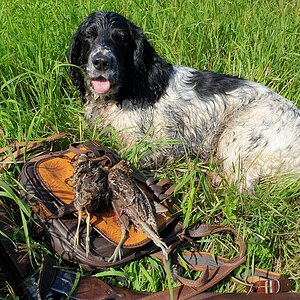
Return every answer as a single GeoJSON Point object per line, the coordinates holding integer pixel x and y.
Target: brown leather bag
{"type": "Point", "coordinates": [46, 189]}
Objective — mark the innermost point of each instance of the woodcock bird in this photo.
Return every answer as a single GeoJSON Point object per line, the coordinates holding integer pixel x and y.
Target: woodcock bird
{"type": "Point", "coordinates": [132, 207]}
{"type": "Point", "coordinates": [89, 182]}
{"type": "Point", "coordinates": [116, 187]}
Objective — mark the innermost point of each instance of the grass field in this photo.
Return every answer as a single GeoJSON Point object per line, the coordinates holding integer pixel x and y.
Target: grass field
{"type": "Point", "coordinates": [258, 40]}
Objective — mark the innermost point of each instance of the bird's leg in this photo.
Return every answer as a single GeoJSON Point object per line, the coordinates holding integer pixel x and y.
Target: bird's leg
{"type": "Point", "coordinates": [87, 237]}
{"type": "Point", "coordinates": [117, 255]}
{"type": "Point", "coordinates": [76, 237]}
{"type": "Point", "coordinates": [164, 248]}
{"type": "Point", "coordinates": [155, 238]}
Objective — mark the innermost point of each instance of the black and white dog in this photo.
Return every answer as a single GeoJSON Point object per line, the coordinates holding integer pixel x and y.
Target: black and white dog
{"type": "Point", "coordinates": [252, 131]}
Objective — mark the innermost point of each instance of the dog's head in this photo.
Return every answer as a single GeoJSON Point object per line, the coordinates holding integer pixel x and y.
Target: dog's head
{"type": "Point", "coordinates": [112, 53]}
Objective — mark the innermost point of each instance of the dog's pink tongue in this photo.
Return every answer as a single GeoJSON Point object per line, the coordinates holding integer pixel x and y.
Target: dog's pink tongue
{"type": "Point", "coordinates": [101, 86]}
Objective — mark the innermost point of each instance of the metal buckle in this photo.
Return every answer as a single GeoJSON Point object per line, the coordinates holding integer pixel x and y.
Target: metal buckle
{"type": "Point", "coordinates": [268, 286]}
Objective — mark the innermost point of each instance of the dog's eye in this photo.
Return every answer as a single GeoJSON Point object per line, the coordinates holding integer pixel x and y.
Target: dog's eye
{"type": "Point", "coordinates": [91, 34]}
{"type": "Point", "coordinates": [120, 37]}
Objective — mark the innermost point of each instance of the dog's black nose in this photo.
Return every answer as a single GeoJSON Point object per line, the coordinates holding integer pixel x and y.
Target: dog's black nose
{"type": "Point", "coordinates": [101, 63]}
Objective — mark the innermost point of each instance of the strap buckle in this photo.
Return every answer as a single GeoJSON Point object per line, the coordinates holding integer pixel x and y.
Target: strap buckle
{"type": "Point", "coordinates": [270, 284]}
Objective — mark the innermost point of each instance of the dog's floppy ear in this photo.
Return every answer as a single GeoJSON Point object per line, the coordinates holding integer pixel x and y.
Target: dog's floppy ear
{"type": "Point", "coordinates": [76, 58]}
{"type": "Point", "coordinates": [144, 52]}
{"type": "Point", "coordinates": [151, 70]}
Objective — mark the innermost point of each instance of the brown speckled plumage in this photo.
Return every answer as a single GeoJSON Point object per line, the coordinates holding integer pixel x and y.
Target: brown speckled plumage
{"type": "Point", "coordinates": [116, 187]}
{"type": "Point", "coordinates": [132, 206]}
{"type": "Point", "coordinates": [89, 185]}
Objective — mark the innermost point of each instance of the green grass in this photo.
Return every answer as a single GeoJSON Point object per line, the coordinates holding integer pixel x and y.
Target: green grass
{"type": "Point", "coordinates": [258, 40]}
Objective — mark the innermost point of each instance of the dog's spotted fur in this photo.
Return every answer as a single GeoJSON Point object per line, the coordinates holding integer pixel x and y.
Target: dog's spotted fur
{"type": "Point", "coordinates": [251, 130]}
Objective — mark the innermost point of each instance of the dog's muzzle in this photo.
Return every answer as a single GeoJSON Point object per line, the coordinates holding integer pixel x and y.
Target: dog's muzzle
{"type": "Point", "coordinates": [102, 71]}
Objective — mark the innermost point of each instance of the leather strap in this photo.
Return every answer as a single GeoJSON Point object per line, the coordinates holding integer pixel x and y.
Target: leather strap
{"type": "Point", "coordinates": [240, 296]}
{"type": "Point", "coordinates": [261, 281]}
{"type": "Point", "coordinates": [161, 189]}
{"type": "Point", "coordinates": [17, 149]}
{"type": "Point", "coordinates": [95, 289]}
{"type": "Point", "coordinates": [95, 151]}
{"type": "Point", "coordinates": [270, 286]}
{"type": "Point", "coordinates": [214, 268]}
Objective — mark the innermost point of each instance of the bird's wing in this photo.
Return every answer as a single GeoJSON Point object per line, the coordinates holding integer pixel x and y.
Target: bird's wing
{"type": "Point", "coordinates": [127, 196]}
